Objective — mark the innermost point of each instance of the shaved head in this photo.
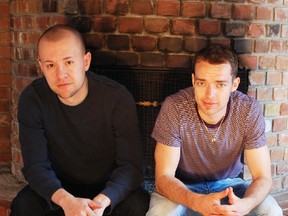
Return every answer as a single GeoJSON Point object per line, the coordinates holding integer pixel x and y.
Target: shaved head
{"type": "Point", "coordinates": [59, 32]}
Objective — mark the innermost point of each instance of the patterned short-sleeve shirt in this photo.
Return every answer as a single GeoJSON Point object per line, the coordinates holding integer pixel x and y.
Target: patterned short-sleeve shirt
{"type": "Point", "coordinates": [179, 125]}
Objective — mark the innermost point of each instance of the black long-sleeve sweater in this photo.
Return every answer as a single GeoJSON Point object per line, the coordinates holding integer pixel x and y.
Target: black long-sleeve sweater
{"type": "Point", "coordinates": [94, 143]}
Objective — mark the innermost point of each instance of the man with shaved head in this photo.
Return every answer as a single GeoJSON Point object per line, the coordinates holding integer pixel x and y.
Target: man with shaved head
{"type": "Point", "coordinates": [79, 137]}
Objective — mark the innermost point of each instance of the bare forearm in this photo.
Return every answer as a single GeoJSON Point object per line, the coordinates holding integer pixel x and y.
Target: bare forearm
{"type": "Point", "coordinates": [176, 191]}
{"type": "Point", "coordinates": [61, 196]}
{"type": "Point", "coordinates": [258, 190]}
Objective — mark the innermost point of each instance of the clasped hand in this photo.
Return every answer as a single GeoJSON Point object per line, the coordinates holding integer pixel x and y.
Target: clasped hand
{"type": "Point", "coordinates": [84, 207]}
{"type": "Point", "coordinates": [210, 204]}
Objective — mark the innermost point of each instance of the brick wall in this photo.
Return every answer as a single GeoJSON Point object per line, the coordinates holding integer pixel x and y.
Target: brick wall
{"type": "Point", "coordinates": [5, 83]}
{"type": "Point", "coordinates": [153, 33]}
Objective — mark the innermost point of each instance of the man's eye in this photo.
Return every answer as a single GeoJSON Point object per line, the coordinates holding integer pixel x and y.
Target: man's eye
{"type": "Point", "coordinates": [50, 65]}
{"type": "Point", "coordinates": [69, 62]}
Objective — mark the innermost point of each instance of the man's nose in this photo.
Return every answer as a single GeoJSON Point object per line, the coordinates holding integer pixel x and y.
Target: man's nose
{"type": "Point", "coordinates": [61, 71]}
{"type": "Point", "coordinates": [210, 91]}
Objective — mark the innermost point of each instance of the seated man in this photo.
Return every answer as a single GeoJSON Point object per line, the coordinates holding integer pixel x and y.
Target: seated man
{"type": "Point", "coordinates": [79, 137]}
{"type": "Point", "coordinates": [201, 133]}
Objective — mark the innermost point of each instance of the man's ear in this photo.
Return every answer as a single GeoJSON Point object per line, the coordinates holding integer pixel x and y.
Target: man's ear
{"type": "Point", "coordinates": [87, 60]}
{"type": "Point", "coordinates": [192, 78]}
{"type": "Point", "coordinates": [235, 84]}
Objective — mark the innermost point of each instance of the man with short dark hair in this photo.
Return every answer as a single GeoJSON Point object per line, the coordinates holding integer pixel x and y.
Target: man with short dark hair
{"type": "Point", "coordinates": [201, 133]}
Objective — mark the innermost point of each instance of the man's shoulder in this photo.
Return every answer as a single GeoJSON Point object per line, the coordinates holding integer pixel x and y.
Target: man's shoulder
{"type": "Point", "coordinates": [241, 101]}
{"type": "Point", "coordinates": [103, 81]}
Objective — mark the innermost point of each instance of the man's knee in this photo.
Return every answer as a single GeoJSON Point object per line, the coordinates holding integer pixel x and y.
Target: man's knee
{"type": "Point", "coordinates": [28, 203]}
{"type": "Point", "coordinates": [268, 207]}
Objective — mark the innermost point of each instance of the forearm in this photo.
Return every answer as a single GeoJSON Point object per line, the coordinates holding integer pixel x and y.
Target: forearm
{"type": "Point", "coordinates": [175, 190]}
{"type": "Point", "coordinates": [258, 191]}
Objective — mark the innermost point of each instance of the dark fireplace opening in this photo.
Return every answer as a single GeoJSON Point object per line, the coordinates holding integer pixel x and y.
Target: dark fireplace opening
{"type": "Point", "coordinates": [149, 87]}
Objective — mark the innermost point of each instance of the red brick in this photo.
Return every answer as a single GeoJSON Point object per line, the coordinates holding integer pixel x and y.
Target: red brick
{"type": "Point", "coordinates": [23, 22]}
{"type": "Point", "coordinates": [257, 78]}
{"type": "Point", "coordinates": [127, 59]}
{"type": "Point", "coordinates": [274, 78]}
{"type": "Point", "coordinates": [5, 52]}
{"type": "Point", "coordinates": [284, 32]}
{"type": "Point", "coordinates": [271, 139]}
{"type": "Point", "coordinates": [5, 119]}
{"type": "Point", "coordinates": [94, 41]}
{"type": "Point", "coordinates": [183, 27]}
{"type": "Point", "coordinates": [4, 105]}
{"type": "Point", "coordinates": [4, 23]}
{"type": "Point", "coordinates": [256, 30]}
{"type": "Point", "coordinates": [26, 6]}
{"type": "Point", "coordinates": [266, 62]}
{"type": "Point", "coordinates": [144, 43]}
{"type": "Point", "coordinates": [130, 25]}
{"type": "Point", "coordinates": [168, 8]}
{"type": "Point", "coordinates": [248, 61]}
{"type": "Point", "coordinates": [264, 13]}
{"type": "Point", "coordinates": [220, 11]}
{"type": "Point", "coordinates": [194, 44]}
{"type": "Point", "coordinates": [178, 61]}
{"type": "Point", "coordinates": [4, 66]}
{"type": "Point", "coordinates": [283, 139]}
{"type": "Point", "coordinates": [27, 38]}
{"type": "Point", "coordinates": [4, 9]}
{"type": "Point", "coordinates": [284, 110]}
{"type": "Point", "coordinates": [281, 14]}
{"type": "Point", "coordinates": [118, 42]}
{"type": "Point", "coordinates": [90, 7]}
{"type": "Point", "coordinates": [120, 7]}
{"type": "Point", "coordinates": [264, 94]}
{"type": "Point", "coordinates": [105, 24]}
{"type": "Point", "coordinates": [276, 184]}
{"type": "Point", "coordinates": [209, 28]}
{"type": "Point", "coordinates": [281, 62]}
{"type": "Point", "coordinates": [262, 46]}
{"type": "Point", "coordinates": [194, 9]}
{"type": "Point", "coordinates": [4, 132]}
{"type": "Point", "coordinates": [279, 93]}
{"type": "Point", "coordinates": [234, 29]}
{"type": "Point", "coordinates": [282, 167]}
{"type": "Point", "coordinates": [277, 155]}
{"type": "Point", "coordinates": [279, 124]}
{"type": "Point", "coordinates": [143, 7]}
{"type": "Point", "coordinates": [150, 59]}
{"type": "Point", "coordinates": [156, 25]}
{"type": "Point", "coordinates": [277, 46]}
{"type": "Point", "coordinates": [5, 93]}
{"type": "Point", "coordinates": [170, 44]}
{"type": "Point", "coordinates": [5, 79]}
{"type": "Point", "coordinates": [5, 38]}
{"type": "Point", "coordinates": [243, 12]}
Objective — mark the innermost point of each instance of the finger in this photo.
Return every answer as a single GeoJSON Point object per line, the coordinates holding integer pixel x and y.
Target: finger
{"type": "Point", "coordinates": [222, 194]}
{"type": "Point", "coordinates": [232, 197]}
{"type": "Point", "coordinates": [93, 204]}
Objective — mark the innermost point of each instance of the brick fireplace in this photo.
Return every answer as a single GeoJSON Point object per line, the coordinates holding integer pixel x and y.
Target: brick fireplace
{"type": "Point", "coordinates": [155, 34]}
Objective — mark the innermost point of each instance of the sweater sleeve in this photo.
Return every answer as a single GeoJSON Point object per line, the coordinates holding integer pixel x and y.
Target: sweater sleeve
{"type": "Point", "coordinates": [37, 167]}
{"type": "Point", "coordinates": [128, 175]}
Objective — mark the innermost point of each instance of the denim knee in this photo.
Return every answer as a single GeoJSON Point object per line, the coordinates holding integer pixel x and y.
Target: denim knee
{"type": "Point", "coordinates": [269, 207]}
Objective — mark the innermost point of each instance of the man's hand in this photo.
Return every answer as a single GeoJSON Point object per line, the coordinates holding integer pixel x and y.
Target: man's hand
{"type": "Point", "coordinates": [100, 199]}
{"type": "Point", "coordinates": [76, 206]}
{"type": "Point", "coordinates": [80, 207]}
{"type": "Point", "coordinates": [205, 204]}
{"type": "Point", "coordinates": [237, 206]}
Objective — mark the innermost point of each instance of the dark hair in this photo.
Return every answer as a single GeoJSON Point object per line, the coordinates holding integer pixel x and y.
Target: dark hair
{"type": "Point", "coordinates": [59, 31]}
{"type": "Point", "coordinates": [217, 54]}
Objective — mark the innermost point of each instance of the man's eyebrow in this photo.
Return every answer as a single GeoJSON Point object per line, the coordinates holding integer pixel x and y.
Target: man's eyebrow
{"type": "Point", "coordinates": [49, 61]}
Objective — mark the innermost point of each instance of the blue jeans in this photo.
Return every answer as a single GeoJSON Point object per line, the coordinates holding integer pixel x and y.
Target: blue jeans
{"type": "Point", "coordinates": [161, 206]}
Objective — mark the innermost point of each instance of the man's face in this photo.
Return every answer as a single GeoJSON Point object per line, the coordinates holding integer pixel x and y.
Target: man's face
{"type": "Point", "coordinates": [64, 66]}
{"type": "Point", "coordinates": [213, 84]}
